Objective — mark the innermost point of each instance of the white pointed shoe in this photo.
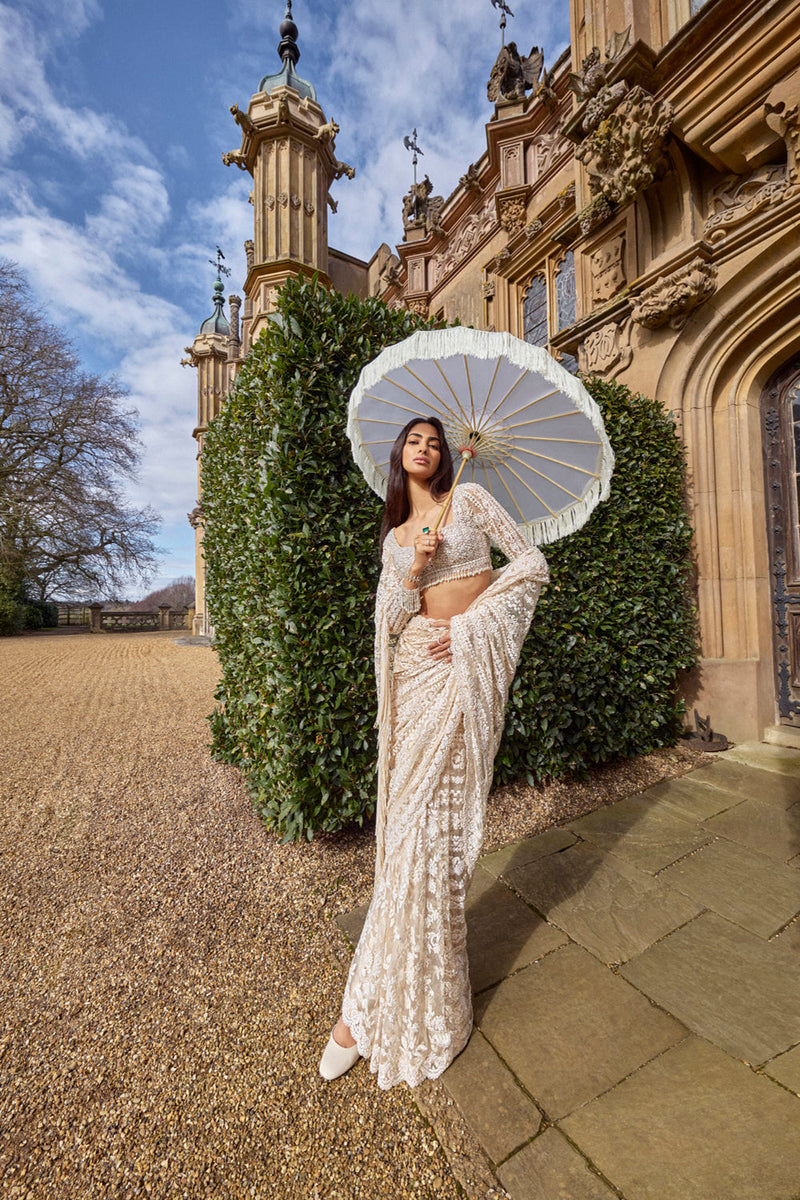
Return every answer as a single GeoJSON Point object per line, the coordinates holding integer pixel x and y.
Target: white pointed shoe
{"type": "Point", "coordinates": [336, 1059]}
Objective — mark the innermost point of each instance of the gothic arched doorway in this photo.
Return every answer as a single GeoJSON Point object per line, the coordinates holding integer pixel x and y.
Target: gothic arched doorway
{"type": "Point", "coordinates": [781, 425]}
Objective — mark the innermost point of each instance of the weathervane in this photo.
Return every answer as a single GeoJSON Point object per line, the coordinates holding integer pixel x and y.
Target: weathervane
{"type": "Point", "coordinates": [217, 262]}
{"type": "Point", "coordinates": [504, 9]}
{"type": "Point", "coordinates": [410, 143]}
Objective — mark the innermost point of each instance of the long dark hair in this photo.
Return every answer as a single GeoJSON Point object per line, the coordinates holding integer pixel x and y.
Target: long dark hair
{"type": "Point", "coordinates": [397, 506]}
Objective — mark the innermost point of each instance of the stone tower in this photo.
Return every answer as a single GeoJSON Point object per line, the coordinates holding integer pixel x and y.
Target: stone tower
{"type": "Point", "coordinates": [288, 148]}
{"type": "Point", "coordinates": [211, 352]}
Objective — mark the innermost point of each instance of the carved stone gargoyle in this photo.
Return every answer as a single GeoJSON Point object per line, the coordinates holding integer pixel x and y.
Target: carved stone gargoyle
{"type": "Point", "coordinates": [237, 158]}
{"type": "Point", "coordinates": [513, 75]}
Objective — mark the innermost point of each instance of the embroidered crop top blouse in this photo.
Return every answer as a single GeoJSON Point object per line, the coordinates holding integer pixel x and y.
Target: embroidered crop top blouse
{"type": "Point", "coordinates": [478, 521]}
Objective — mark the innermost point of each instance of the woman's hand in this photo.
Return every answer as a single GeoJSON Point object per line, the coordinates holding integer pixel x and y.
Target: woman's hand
{"type": "Point", "coordinates": [425, 546]}
{"type": "Point", "coordinates": [441, 649]}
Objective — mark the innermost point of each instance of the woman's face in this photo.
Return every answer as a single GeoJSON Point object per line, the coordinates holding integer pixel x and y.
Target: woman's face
{"type": "Point", "coordinates": [422, 452]}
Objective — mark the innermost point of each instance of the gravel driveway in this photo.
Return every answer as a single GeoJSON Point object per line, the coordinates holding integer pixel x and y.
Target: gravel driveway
{"type": "Point", "coordinates": [169, 971]}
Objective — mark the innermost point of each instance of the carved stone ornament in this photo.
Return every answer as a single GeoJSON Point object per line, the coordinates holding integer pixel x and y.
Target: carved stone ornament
{"type": "Point", "coordinates": [466, 235]}
{"type": "Point", "coordinates": [250, 253]}
{"type": "Point", "coordinates": [547, 149]}
{"type": "Point", "coordinates": [309, 208]}
{"type": "Point", "coordinates": [595, 213]}
{"type": "Point", "coordinates": [608, 269]}
{"type": "Point", "coordinates": [283, 199]}
{"type": "Point", "coordinates": [195, 517]}
{"type": "Point", "coordinates": [511, 211]}
{"type": "Point", "coordinates": [420, 307]}
{"type": "Point", "coordinates": [327, 133]}
{"type": "Point", "coordinates": [672, 298]}
{"type": "Point", "coordinates": [242, 119]}
{"type": "Point", "coordinates": [343, 168]}
{"type": "Point", "coordinates": [235, 303]}
{"type": "Point", "coordinates": [566, 196]}
{"type": "Point", "coordinates": [512, 76]}
{"type": "Point", "coordinates": [607, 348]}
{"type": "Point", "coordinates": [623, 156]}
{"type": "Point", "coordinates": [421, 210]}
{"type": "Point", "coordinates": [295, 201]}
{"type": "Point", "coordinates": [469, 182]}
{"type": "Point", "coordinates": [494, 264]}
{"type": "Point", "coordinates": [235, 158]}
{"type": "Point", "coordinates": [737, 199]}
{"type": "Point", "coordinates": [192, 360]}
{"type": "Point", "coordinates": [533, 228]}
{"type": "Point", "coordinates": [269, 202]}
{"type": "Point", "coordinates": [487, 289]}
{"type": "Point", "coordinates": [593, 75]}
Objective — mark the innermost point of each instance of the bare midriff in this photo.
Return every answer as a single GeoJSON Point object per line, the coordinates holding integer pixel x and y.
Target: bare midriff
{"type": "Point", "coordinates": [452, 597]}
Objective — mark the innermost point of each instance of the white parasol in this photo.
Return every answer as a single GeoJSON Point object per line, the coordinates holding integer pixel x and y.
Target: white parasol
{"type": "Point", "coordinates": [525, 428]}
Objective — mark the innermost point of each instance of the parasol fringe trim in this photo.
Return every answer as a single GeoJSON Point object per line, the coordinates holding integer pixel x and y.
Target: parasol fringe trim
{"type": "Point", "coordinates": [446, 343]}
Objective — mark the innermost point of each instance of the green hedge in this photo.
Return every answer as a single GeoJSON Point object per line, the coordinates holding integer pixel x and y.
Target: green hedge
{"type": "Point", "coordinates": [18, 611]}
{"type": "Point", "coordinates": [291, 551]}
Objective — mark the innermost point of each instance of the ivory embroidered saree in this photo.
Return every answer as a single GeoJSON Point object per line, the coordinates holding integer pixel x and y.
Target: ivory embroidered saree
{"type": "Point", "coordinates": [408, 1001]}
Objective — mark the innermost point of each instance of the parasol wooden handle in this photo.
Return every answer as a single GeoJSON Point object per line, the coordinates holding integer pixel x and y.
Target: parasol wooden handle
{"type": "Point", "coordinates": [467, 453]}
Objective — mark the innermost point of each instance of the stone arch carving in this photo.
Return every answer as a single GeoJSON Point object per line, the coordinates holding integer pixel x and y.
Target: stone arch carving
{"type": "Point", "coordinates": [712, 378]}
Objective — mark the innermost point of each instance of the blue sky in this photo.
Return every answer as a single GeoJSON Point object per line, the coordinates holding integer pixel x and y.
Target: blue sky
{"type": "Point", "coordinates": [113, 119]}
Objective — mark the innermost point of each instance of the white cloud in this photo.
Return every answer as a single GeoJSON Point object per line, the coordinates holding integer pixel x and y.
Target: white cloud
{"type": "Point", "coordinates": [128, 272]}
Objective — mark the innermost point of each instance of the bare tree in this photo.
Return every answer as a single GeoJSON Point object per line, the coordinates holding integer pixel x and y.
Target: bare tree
{"type": "Point", "coordinates": [67, 445]}
{"type": "Point", "coordinates": [179, 593]}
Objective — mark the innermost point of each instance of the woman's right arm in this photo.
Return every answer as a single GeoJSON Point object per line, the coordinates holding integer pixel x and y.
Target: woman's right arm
{"type": "Point", "coordinates": [398, 598]}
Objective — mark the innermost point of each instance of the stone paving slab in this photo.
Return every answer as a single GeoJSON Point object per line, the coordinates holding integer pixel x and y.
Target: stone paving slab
{"type": "Point", "coordinates": [607, 905]}
{"type": "Point", "coordinates": [764, 757]}
{"type": "Point", "coordinates": [528, 850]}
{"type": "Point", "coordinates": [772, 830]}
{"type": "Point", "coordinates": [745, 782]}
{"type": "Point", "coordinates": [786, 1069]}
{"type": "Point", "coordinates": [738, 883]}
{"type": "Point", "coordinates": [648, 835]}
{"type": "Point", "coordinates": [736, 990]}
{"type": "Point", "coordinates": [569, 1028]}
{"type": "Point", "coordinates": [551, 1169]}
{"type": "Point", "coordinates": [789, 938]}
{"type": "Point", "coordinates": [694, 1125]}
{"type": "Point", "coordinates": [691, 799]}
{"type": "Point", "coordinates": [498, 1111]}
{"type": "Point", "coordinates": [503, 933]}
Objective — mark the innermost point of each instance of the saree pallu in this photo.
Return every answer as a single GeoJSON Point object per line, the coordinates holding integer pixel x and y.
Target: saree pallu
{"type": "Point", "coordinates": [408, 1002]}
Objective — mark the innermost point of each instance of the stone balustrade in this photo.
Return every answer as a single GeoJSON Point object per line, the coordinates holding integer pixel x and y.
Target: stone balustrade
{"type": "Point", "coordinates": [165, 617]}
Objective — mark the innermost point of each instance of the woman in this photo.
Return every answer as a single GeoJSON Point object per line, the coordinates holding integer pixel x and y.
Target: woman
{"type": "Point", "coordinates": [447, 640]}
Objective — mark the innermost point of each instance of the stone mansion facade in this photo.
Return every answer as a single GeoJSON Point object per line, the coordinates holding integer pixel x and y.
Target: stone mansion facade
{"type": "Point", "coordinates": [636, 209]}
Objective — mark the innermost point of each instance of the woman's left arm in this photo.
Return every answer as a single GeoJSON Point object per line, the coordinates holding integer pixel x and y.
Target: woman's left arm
{"type": "Point", "coordinates": [498, 525]}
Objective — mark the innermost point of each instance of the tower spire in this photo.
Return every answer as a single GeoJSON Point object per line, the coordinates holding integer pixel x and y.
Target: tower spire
{"type": "Point", "coordinates": [289, 51]}
{"type": "Point", "coordinates": [288, 47]}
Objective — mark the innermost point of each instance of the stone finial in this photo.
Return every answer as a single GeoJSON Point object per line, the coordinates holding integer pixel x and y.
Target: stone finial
{"type": "Point", "coordinates": [288, 47]}
{"type": "Point", "coordinates": [235, 303]}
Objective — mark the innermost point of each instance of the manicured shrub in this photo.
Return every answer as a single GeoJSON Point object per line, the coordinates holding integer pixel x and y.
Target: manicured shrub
{"type": "Point", "coordinates": [291, 546]}
{"type": "Point", "coordinates": [616, 626]}
{"type": "Point", "coordinates": [291, 551]}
